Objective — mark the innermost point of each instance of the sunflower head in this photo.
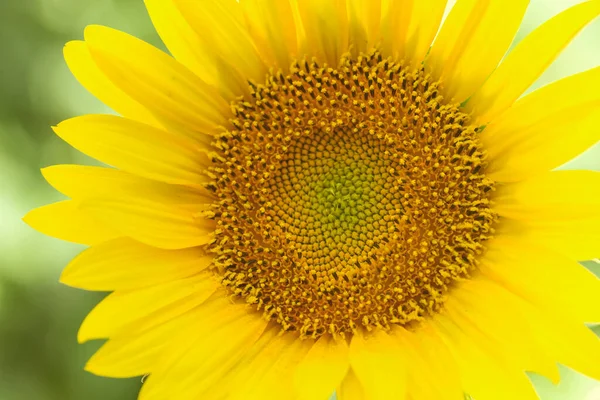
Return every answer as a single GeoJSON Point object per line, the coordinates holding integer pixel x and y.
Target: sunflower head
{"type": "Point", "coordinates": [349, 197]}
{"type": "Point", "coordinates": [313, 196]}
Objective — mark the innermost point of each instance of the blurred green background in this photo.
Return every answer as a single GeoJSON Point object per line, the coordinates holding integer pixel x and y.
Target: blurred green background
{"type": "Point", "coordinates": [39, 318]}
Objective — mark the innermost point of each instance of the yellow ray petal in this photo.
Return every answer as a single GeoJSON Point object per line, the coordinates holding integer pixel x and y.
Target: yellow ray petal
{"type": "Point", "coordinates": [408, 28]}
{"type": "Point", "coordinates": [379, 365]}
{"type": "Point", "coordinates": [364, 17]}
{"type": "Point", "coordinates": [322, 370]}
{"type": "Point", "coordinates": [472, 42]}
{"type": "Point", "coordinates": [326, 27]}
{"type": "Point", "coordinates": [124, 264]}
{"type": "Point", "coordinates": [64, 220]}
{"type": "Point", "coordinates": [568, 225]}
{"type": "Point", "coordinates": [81, 182]}
{"type": "Point", "coordinates": [568, 341]}
{"type": "Point", "coordinates": [425, 19]}
{"type": "Point", "coordinates": [203, 353]}
{"type": "Point", "coordinates": [549, 280]}
{"type": "Point", "coordinates": [489, 312]}
{"type": "Point", "coordinates": [137, 148]}
{"type": "Point", "coordinates": [564, 339]}
{"type": "Point", "coordinates": [576, 238]}
{"type": "Point", "coordinates": [432, 372]}
{"type": "Point", "coordinates": [156, 224]}
{"type": "Point", "coordinates": [577, 241]}
{"type": "Point", "coordinates": [395, 20]}
{"type": "Point", "coordinates": [554, 195]}
{"type": "Point", "coordinates": [483, 372]}
{"type": "Point", "coordinates": [545, 129]}
{"type": "Point", "coordinates": [85, 70]}
{"type": "Point", "coordinates": [165, 87]}
{"type": "Point", "coordinates": [192, 51]}
{"type": "Point", "coordinates": [246, 366]}
{"type": "Point", "coordinates": [230, 377]}
{"type": "Point", "coordinates": [271, 25]}
{"type": "Point", "coordinates": [529, 60]}
{"type": "Point", "coordinates": [269, 375]}
{"type": "Point", "coordinates": [220, 24]}
{"type": "Point", "coordinates": [129, 355]}
{"type": "Point", "coordinates": [351, 388]}
{"type": "Point", "coordinates": [121, 311]}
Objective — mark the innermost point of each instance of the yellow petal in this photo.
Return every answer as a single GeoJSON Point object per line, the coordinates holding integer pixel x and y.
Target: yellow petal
{"type": "Point", "coordinates": [192, 51]}
{"type": "Point", "coordinates": [432, 372]}
{"type": "Point", "coordinates": [220, 24]}
{"type": "Point", "coordinates": [425, 19]}
{"type": "Point", "coordinates": [155, 304]}
{"type": "Point", "coordinates": [395, 19]}
{"type": "Point", "coordinates": [85, 70]}
{"type": "Point", "coordinates": [64, 220]}
{"type": "Point", "coordinates": [248, 365]}
{"type": "Point", "coordinates": [269, 375]}
{"type": "Point", "coordinates": [408, 28]}
{"type": "Point", "coordinates": [165, 87]}
{"type": "Point", "coordinates": [129, 355]}
{"type": "Point", "coordinates": [322, 370]}
{"type": "Point", "coordinates": [326, 27]}
{"type": "Point", "coordinates": [199, 357]}
{"type": "Point", "coordinates": [351, 388]}
{"type": "Point", "coordinates": [488, 312]}
{"type": "Point", "coordinates": [226, 383]}
{"type": "Point", "coordinates": [554, 195]}
{"type": "Point", "coordinates": [137, 148]}
{"type": "Point", "coordinates": [528, 60]}
{"type": "Point", "coordinates": [564, 339]}
{"type": "Point", "coordinates": [545, 129]}
{"type": "Point", "coordinates": [549, 280]}
{"type": "Point", "coordinates": [472, 42]}
{"type": "Point", "coordinates": [364, 17]}
{"type": "Point", "coordinates": [568, 224]}
{"type": "Point", "coordinates": [484, 373]}
{"type": "Point", "coordinates": [379, 366]}
{"type": "Point", "coordinates": [576, 238]}
{"type": "Point", "coordinates": [81, 182]}
{"type": "Point", "coordinates": [124, 264]}
{"type": "Point", "coordinates": [577, 241]}
{"type": "Point", "coordinates": [271, 25]}
{"type": "Point", "coordinates": [568, 341]}
{"type": "Point", "coordinates": [558, 336]}
{"type": "Point", "coordinates": [156, 224]}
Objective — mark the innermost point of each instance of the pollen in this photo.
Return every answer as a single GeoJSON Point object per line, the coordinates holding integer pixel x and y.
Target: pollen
{"type": "Point", "coordinates": [349, 198]}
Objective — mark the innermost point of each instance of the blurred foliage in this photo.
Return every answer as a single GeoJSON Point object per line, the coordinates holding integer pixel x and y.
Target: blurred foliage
{"type": "Point", "coordinates": [39, 356]}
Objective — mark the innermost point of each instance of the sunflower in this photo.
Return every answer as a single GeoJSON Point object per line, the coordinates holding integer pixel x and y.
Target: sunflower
{"type": "Point", "coordinates": [313, 196]}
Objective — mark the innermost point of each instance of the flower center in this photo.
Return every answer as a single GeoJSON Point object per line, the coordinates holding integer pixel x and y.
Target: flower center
{"type": "Point", "coordinates": [349, 197]}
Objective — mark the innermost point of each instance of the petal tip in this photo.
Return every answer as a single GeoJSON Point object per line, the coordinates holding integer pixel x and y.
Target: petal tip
{"type": "Point", "coordinates": [57, 129]}
{"type": "Point", "coordinates": [47, 172]}
{"type": "Point", "coordinates": [91, 30]}
{"type": "Point", "coordinates": [94, 367]}
{"type": "Point", "coordinates": [32, 219]}
{"type": "Point", "coordinates": [27, 218]}
{"type": "Point", "coordinates": [83, 335]}
{"type": "Point", "coordinates": [66, 276]}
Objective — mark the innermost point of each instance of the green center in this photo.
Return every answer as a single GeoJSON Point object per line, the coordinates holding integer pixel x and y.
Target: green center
{"type": "Point", "coordinates": [337, 197]}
